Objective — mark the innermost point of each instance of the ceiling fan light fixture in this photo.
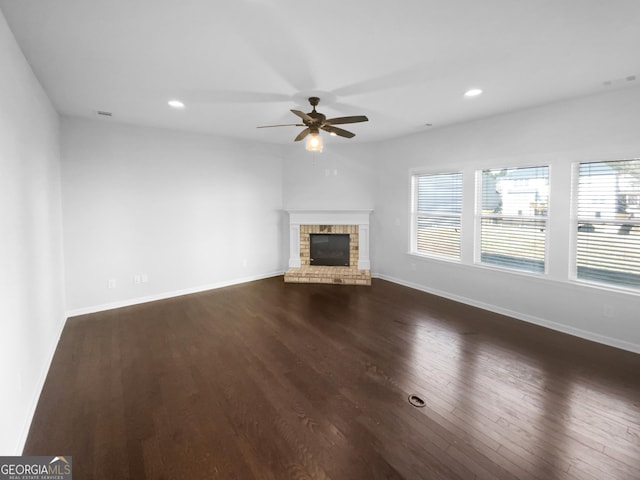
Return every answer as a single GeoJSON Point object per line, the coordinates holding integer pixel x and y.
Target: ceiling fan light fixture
{"type": "Point", "coordinates": [314, 142]}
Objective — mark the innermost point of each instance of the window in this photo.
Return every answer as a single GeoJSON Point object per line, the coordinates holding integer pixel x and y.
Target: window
{"type": "Point", "coordinates": [513, 218]}
{"type": "Point", "coordinates": [608, 227]}
{"type": "Point", "coordinates": [437, 206]}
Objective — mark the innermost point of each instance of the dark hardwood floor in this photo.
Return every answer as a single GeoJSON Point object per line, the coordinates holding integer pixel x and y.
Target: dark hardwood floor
{"type": "Point", "coordinates": [268, 380]}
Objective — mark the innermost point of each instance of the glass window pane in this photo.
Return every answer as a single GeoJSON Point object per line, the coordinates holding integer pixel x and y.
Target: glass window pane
{"type": "Point", "coordinates": [440, 193]}
{"type": "Point", "coordinates": [514, 209]}
{"type": "Point", "coordinates": [516, 191]}
{"type": "Point", "coordinates": [609, 190]}
{"type": "Point", "coordinates": [438, 199]}
{"type": "Point", "coordinates": [439, 236]}
{"type": "Point", "coordinates": [608, 237]}
{"type": "Point", "coordinates": [513, 243]}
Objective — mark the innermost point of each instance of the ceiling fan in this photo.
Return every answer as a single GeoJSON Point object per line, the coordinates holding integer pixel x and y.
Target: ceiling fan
{"type": "Point", "coordinates": [315, 121]}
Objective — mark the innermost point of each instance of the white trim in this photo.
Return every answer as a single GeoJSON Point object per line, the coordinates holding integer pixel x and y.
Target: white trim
{"type": "Point", "coordinates": [572, 274]}
{"type": "Point", "coordinates": [24, 431]}
{"type": "Point", "coordinates": [294, 249]}
{"type": "Point", "coordinates": [329, 217]}
{"type": "Point", "coordinates": [165, 295]}
{"type": "Point", "coordinates": [576, 332]}
{"type": "Point", "coordinates": [477, 217]}
{"type": "Point", "coordinates": [363, 247]}
{"type": "Point", "coordinates": [413, 212]}
{"type": "Point", "coordinates": [434, 256]}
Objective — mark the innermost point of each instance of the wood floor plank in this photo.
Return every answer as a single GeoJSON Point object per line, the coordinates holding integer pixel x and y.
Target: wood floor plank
{"type": "Point", "coordinates": [268, 380]}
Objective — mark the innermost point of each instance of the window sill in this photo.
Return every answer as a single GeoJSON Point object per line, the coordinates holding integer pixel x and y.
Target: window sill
{"type": "Point", "coordinates": [435, 257]}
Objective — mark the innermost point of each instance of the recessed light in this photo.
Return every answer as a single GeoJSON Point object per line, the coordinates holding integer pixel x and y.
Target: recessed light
{"type": "Point", "coordinates": [474, 92]}
{"type": "Point", "coordinates": [176, 104]}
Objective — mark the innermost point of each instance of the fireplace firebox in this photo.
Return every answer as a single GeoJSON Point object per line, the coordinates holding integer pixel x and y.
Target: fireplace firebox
{"type": "Point", "coordinates": [329, 249]}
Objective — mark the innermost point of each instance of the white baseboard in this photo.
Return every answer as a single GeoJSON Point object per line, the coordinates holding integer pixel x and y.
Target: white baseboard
{"type": "Point", "coordinates": [576, 332]}
{"type": "Point", "coordinates": [33, 404]}
{"type": "Point", "coordinates": [162, 296]}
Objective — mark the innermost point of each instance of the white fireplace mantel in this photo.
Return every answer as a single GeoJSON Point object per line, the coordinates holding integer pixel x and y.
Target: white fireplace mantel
{"type": "Point", "coordinates": [329, 217]}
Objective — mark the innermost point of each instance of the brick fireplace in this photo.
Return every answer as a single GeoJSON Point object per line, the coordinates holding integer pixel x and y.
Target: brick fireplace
{"type": "Point", "coordinates": [303, 223]}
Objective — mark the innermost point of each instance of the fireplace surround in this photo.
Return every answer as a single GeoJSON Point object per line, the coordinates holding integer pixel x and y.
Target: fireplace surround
{"type": "Point", "coordinates": [303, 223]}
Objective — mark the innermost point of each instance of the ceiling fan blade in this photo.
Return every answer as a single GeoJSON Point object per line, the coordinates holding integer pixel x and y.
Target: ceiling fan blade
{"type": "Point", "coordinates": [302, 134]}
{"type": "Point", "coordinates": [303, 115]}
{"type": "Point", "coordinates": [231, 96]}
{"type": "Point", "coordinates": [280, 49]}
{"type": "Point", "coordinates": [283, 125]}
{"type": "Point", "coordinates": [338, 131]}
{"type": "Point", "coordinates": [341, 120]}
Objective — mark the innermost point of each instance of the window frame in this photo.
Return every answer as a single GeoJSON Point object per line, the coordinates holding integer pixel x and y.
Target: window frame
{"type": "Point", "coordinates": [480, 216]}
{"type": "Point", "coordinates": [416, 215]}
{"type": "Point", "coordinates": [577, 219]}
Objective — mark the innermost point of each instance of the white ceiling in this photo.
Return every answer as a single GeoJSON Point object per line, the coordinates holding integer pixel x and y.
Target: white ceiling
{"type": "Point", "coordinates": [238, 64]}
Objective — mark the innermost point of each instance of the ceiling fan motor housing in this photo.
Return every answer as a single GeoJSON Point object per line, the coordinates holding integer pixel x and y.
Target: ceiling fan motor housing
{"type": "Point", "coordinates": [318, 117]}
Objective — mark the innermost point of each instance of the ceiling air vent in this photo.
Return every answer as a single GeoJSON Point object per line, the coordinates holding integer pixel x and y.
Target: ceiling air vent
{"type": "Point", "coordinates": [102, 113]}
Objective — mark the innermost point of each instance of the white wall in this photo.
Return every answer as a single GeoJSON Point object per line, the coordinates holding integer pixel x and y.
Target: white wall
{"type": "Point", "coordinates": [186, 210]}
{"type": "Point", "coordinates": [602, 127]}
{"type": "Point", "coordinates": [342, 177]}
{"type": "Point", "coordinates": [31, 262]}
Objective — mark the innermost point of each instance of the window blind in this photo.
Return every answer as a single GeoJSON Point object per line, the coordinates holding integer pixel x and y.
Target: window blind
{"type": "Point", "coordinates": [513, 218]}
{"type": "Point", "coordinates": [608, 226]}
{"type": "Point", "coordinates": [438, 206]}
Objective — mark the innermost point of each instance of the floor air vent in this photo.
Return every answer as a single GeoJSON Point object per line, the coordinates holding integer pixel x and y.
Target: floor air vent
{"type": "Point", "coordinates": [416, 400]}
